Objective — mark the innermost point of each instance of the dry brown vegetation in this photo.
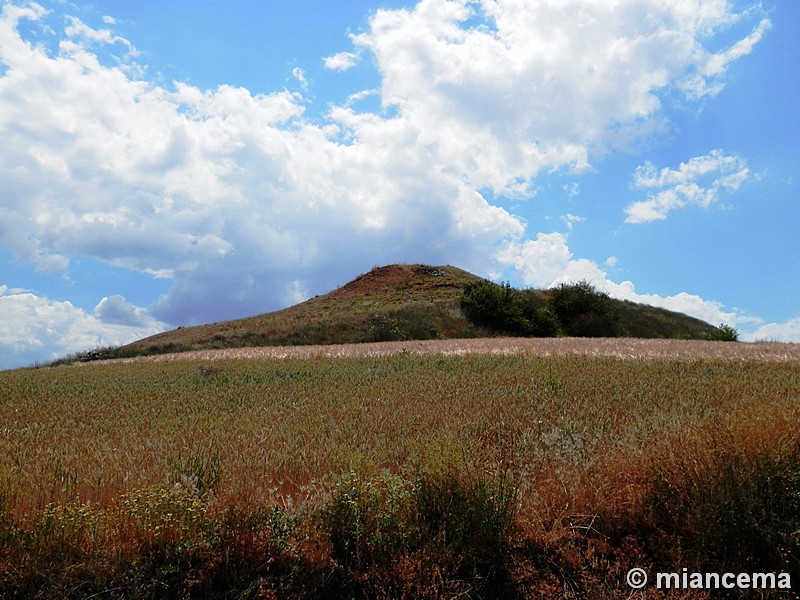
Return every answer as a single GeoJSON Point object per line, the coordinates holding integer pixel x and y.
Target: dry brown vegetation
{"type": "Point", "coordinates": [624, 348]}
{"type": "Point", "coordinates": [492, 470]}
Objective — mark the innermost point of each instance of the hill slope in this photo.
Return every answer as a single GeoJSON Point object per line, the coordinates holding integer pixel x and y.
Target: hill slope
{"type": "Point", "coordinates": [394, 302]}
{"type": "Point", "coordinates": [388, 303]}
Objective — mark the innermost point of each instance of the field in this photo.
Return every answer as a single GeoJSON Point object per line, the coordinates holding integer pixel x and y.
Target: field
{"type": "Point", "coordinates": [496, 472]}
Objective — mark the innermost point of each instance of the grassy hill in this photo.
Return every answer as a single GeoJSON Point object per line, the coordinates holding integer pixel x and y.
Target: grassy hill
{"type": "Point", "coordinates": [395, 302]}
{"type": "Point", "coordinates": [388, 303]}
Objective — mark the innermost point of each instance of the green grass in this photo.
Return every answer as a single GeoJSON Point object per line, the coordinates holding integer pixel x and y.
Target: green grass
{"type": "Point", "coordinates": [415, 476]}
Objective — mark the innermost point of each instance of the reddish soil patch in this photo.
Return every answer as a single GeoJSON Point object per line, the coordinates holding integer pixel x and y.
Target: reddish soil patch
{"type": "Point", "coordinates": [625, 348]}
{"type": "Point", "coordinates": [383, 280]}
{"type": "Point", "coordinates": [391, 277]}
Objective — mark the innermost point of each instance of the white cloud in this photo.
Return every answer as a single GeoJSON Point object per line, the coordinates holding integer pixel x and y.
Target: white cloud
{"type": "Point", "coordinates": [37, 329]}
{"type": "Point", "coordinates": [538, 85]}
{"type": "Point", "coordinates": [79, 29]}
{"type": "Point", "coordinates": [788, 331]}
{"type": "Point", "coordinates": [570, 220]}
{"type": "Point", "coordinates": [703, 83]}
{"type": "Point", "coordinates": [547, 261]}
{"type": "Point", "coordinates": [710, 311]}
{"type": "Point", "coordinates": [247, 205]}
{"type": "Point", "coordinates": [115, 310]}
{"type": "Point", "coordinates": [300, 76]}
{"type": "Point", "coordinates": [341, 61]}
{"type": "Point", "coordinates": [697, 182]}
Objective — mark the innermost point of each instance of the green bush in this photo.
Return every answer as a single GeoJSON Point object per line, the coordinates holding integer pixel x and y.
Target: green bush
{"type": "Point", "coordinates": [583, 311]}
{"type": "Point", "coordinates": [445, 528]}
{"type": "Point", "coordinates": [504, 309]}
{"type": "Point", "coordinates": [366, 521]}
{"type": "Point", "coordinates": [469, 522]}
{"type": "Point", "coordinates": [726, 333]}
{"type": "Point", "coordinates": [543, 322]}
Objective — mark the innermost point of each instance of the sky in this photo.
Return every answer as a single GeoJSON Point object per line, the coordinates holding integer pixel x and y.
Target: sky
{"type": "Point", "coordinates": [165, 164]}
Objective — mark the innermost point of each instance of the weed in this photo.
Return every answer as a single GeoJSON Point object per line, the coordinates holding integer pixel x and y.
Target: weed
{"type": "Point", "coordinates": [163, 517]}
{"type": "Point", "coordinates": [365, 520]}
{"type": "Point", "coordinates": [738, 512]}
{"type": "Point", "coordinates": [461, 529]}
{"type": "Point", "coordinates": [195, 472]}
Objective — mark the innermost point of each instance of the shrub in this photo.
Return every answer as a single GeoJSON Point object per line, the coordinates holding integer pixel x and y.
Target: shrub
{"type": "Point", "coordinates": [57, 557]}
{"type": "Point", "coordinates": [468, 522]}
{"type": "Point", "coordinates": [583, 311]}
{"type": "Point", "coordinates": [504, 309]}
{"type": "Point", "coordinates": [543, 322]}
{"type": "Point", "coordinates": [385, 329]}
{"type": "Point", "coordinates": [159, 516]}
{"type": "Point", "coordinates": [364, 520]}
{"type": "Point", "coordinates": [726, 333]}
{"type": "Point", "coordinates": [498, 307]}
{"type": "Point", "coordinates": [447, 530]}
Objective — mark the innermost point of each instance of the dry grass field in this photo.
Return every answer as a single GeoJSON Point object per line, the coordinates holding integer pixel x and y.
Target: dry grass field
{"type": "Point", "coordinates": [470, 468]}
{"type": "Point", "coordinates": [624, 348]}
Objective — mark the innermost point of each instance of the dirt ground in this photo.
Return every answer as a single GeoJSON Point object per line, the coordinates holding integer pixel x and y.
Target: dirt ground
{"type": "Point", "coordinates": [625, 348]}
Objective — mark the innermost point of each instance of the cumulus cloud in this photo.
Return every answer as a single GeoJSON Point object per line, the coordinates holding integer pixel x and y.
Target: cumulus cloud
{"type": "Point", "coordinates": [547, 261]}
{"type": "Point", "coordinates": [697, 182]}
{"type": "Point", "coordinates": [751, 329]}
{"type": "Point", "coordinates": [115, 310]}
{"type": "Point", "coordinates": [693, 305]}
{"type": "Point", "coordinates": [788, 331]}
{"type": "Point", "coordinates": [539, 85]}
{"type": "Point", "coordinates": [37, 329]}
{"type": "Point", "coordinates": [246, 204]}
{"type": "Point", "coordinates": [342, 61]}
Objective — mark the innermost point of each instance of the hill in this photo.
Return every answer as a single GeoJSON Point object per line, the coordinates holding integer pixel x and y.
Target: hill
{"type": "Point", "coordinates": [395, 302]}
{"type": "Point", "coordinates": [387, 303]}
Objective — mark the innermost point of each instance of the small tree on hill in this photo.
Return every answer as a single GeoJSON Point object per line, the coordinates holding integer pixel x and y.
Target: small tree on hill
{"type": "Point", "coordinates": [498, 307]}
{"type": "Point", "coordinates": [502, 308]}
{"type": "Point", "coordinates": [583, 311]}
{"type": "Point", "coordinates": [726, 333]}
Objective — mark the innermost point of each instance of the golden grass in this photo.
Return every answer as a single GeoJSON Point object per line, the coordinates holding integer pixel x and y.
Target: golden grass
{"type": "Point", "coordinates": [589, 440]}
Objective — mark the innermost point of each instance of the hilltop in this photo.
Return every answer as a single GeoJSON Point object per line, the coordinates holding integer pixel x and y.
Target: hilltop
{"type": "Point", "coordinates": [394, 302]}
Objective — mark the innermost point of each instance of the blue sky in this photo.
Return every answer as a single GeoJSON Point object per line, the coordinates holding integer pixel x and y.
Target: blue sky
{"type": "Point", "coordinates": [169, 164]}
